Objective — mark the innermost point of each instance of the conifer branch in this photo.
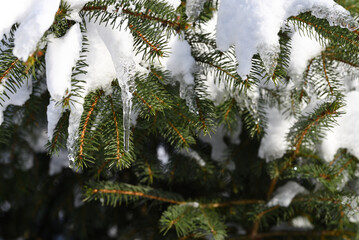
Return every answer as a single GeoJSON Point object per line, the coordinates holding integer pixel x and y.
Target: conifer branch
{"type": "Point", "coordinates": [103, 165]}
{"type": "Point", "coordinates": [326, 75]}
{"type": "Point", "coordinates": [56, 137]}
{"type": "Point", "coordinates": [325, 30]}
{"type": "Point", "coordinates": [219, 68]}
{"type": "Point", "coordinates": [305, 82]}
{"type": "Point", "coordinates": [87, 119]}
{"type": "Point", "coordinates": [174, 24]}
{"type": "Point", "coordinates": [332, 57]}
{"type": "Point", "coordinates": [138, 194]}
{"type": "Point", "coordinates": [299, 139]}
{"type": "Point", "coordinates": [118, 152]}
{"type": "Point", "coordinates": [143, 100]}
{"type": "Point", "coordinates": [152, 46]}
{"type": "Point", "coordinates": [201, 116]}
{"type": "Point", "coordinates": [7, 71]}
{"type": "Point", "coordinates": [178, 132]}
{"type": "Point", "coordinates": [229, 108]}
{"type": "Point", "coordinates": [255, 227]}
{"type": "Point", "coordinates": [184, 116]}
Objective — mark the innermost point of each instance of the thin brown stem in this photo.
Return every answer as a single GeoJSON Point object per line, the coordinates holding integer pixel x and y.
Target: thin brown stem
{"type": "Point", "coordinates": [7, 71]}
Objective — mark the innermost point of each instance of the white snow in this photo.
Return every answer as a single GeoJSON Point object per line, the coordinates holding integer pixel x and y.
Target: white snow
{"type": "Point", "coordinates": [119, 45]}
{"type": "Point", "coordinates": [302, 223]}
{"type": "Point", "coordinates": [39, 17]}
{"type": "Point", "coordinates": [12, 12]}
{"type": "Point", "coordinates": [75, 7]}
{"type": "Point", "coordinates": [274, 144]}
{"type": "Point", "coordinates": [61, 56]}
{"type": "Point", "coordinates": [77, 3]}
{"type": "Point", "coordinates": [252, 26]}
{"type": "Point", "coordinates": [162, 155]}
{"type": "Point", "coordinates": [174, 3]}
{"type": "Point", "coordinates": [194, 155]}
{"type": "Point", "coordinates": [182, 65]}
{"type": "Point", "coordinates": [101, 70]}
{"type": "Point", "coordinates": [284, 195]}
{"type": "Point", "coordinates": [303, 50]}
{"type": "Point", "coordinates": [346, 133]}
{"type": "Point", "coordinates": [353, 213]}
{"type": "Point", "coordinates": [180, 62]}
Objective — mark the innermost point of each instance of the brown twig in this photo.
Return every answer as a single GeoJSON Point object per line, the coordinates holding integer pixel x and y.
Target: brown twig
{"type": "Point", "coordinates": [138, 194]}
{"type": "Point", "coordinates": [12, 65]}
{"type": "Point", "coordinates": [118, 152]}
{"type": "Point", "coordinates": [87, 119]}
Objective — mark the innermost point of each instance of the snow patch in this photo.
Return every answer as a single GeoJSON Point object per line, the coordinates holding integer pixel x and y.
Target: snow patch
{"type": "Point", "coordinates": [284, 195]}
{"type": "Point", "coordinates": [303, 50]}
{"type": "Point", "coordinates": [182, 66]}
{"type": "Point", "coordinates": [61, 56]}
{"type": "Point", "coordinates": [39, 17]}
{"type": "Point", "coordinates": [274, 143]}
{"type": "Point", "coordinates": [346, 133]}
{"type": "Point", "coordinates": [162, 155]}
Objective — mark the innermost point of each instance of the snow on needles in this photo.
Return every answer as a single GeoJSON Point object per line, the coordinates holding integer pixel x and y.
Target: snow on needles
{"type": "Point", "coordinates": [252, 26]}
{"type": "Point", "coordinates": [284, 195]}
{"type": "Point", "coordinates": [274, 144]}
{"type": "Point", "coordinates": [34, 16]}
{"type": "Point", "coordinates": [39, 18]}
{"type": "Point", "coordinates": [303, 50]}
{"type": "Point", "coordinates": [61, 56]}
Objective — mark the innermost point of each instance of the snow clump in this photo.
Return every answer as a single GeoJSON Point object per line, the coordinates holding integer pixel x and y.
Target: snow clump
{"type": "Point", "coordinates": [252, 26]}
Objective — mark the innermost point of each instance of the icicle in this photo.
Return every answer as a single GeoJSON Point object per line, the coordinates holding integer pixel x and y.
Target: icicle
{"type": "Point", "coordinates": [194, 8]}
{"type": "Point", "coordinates": [269, 55]}
{"type": "Point", "coordinates": [127, 84]}
{"type": "Point", "coordinates": [187, 93]}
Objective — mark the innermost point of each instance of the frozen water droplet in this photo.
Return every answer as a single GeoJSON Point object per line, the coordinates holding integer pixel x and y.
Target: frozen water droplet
{"type": "Point", "coordinates": [269, 55]}
{"type": "Point", "coordinates": [71, 163]}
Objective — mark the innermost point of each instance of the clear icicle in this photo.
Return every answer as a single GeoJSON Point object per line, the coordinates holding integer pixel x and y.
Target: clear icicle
{"type": "Point", "coordinates": [269, 55]}
{"type": "Point", "coordinates": [127, 106]}
{"type": "Point", "coordinates": [74, 124]}
{"type": "Point", "coordinates": [127, 84]}
{"type": "Point", "coordinates": [187, 93]}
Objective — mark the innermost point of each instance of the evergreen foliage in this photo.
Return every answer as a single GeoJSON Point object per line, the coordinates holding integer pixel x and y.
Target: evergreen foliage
{"type": "Point", "coordinates": [193, 196]}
